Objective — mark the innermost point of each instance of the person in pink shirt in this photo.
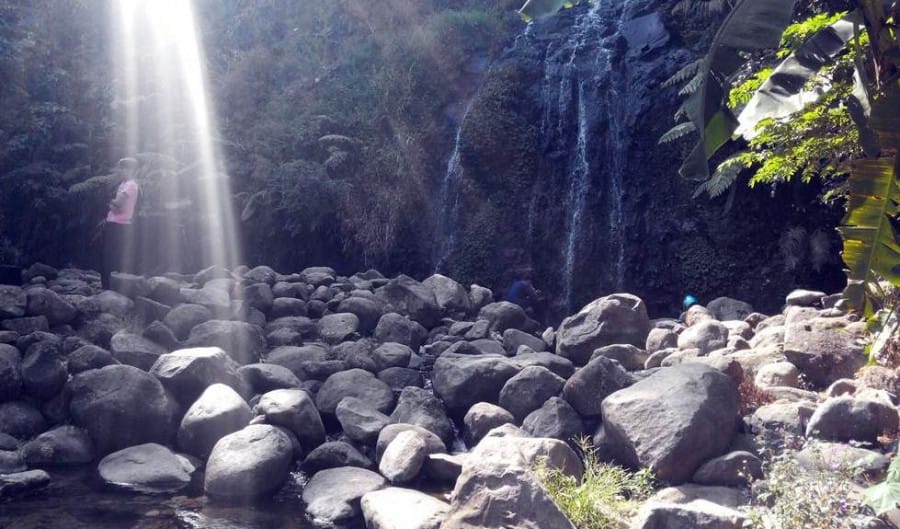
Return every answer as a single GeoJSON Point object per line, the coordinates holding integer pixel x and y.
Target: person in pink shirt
{"type": "Point", "coordinates": [118, 234]}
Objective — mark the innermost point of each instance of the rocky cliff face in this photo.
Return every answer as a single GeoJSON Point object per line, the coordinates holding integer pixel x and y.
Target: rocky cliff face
{"type": "Point", "coordinates": [560, 171]}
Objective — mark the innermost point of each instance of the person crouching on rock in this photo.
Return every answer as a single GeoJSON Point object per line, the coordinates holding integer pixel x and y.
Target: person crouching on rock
{"type": "Point", "coordinates": [118, 235]}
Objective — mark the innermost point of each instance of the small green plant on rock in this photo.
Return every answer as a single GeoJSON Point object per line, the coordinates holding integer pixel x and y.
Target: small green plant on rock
{"type": "Point", "coordinates": [606, 497]}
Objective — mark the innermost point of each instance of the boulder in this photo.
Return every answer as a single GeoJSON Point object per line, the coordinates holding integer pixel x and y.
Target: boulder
{"type": "Point", "coordinates": [614, 319]}
{"type": "Point", "coordinates": [334, 454]}
{"type": "Point", "coordinates": [554, 419]}
{"type": "Point", "coordinates": [164, 290]}
{"type": "Point", "coordinates": [251, 462]}
{"type": "Point", "coordinates": [629, 356]}
{"type": "Point", "coordinates": [262, 378]}
{"type": "Point", "coordinates": [698, 514]}
{"type": "Point", "coordinates": [659, 339]}
{"type": "Point", "coordinates": [403, 458]}
{"type": "Point", "coordinates": [706, 336]}
{"type": "Point", "coordinates": [393, 327]}
{"type": "Point", "coordinates": [259, 296]}
{"type": "Point", "coordinates": [148, 468]}
{"type": "Point", "coordinates": [129, 284]}
{"type": "Point", "coordinates": [360, 421]}
{"type": "Point", "coordinates": [43, 371]}
{"type": "Point", "coordinates": [514, 338]}
{"type": "Point", "coordinates": [462, 380]}
{"type": "Point", "coordinates": [183, 318]}
{"type": "Point", "coordinates": [725, 309]}
{"type": "Point", "coordinates": [318, 275]}
{"type": "Point", "coordinates": [121, 406]}
{"type": "Point", "coordinates": [88, 357]}
{"type": "Point", "coordinates": [333, 496]}
{"type": "Point", "coordinates": [61, 446]}
{"type": "Point", "coordinates": [396, 508]}
{"type": "Point", "coordinates": [21, 420]}
{"type": "Point", "coordinates": [188, 372]}
{"type": "Point", "coordinates": [26, 325]}
{"type": "Point", "coordinates": [528, 390]}
{"type": "Point", "coordinates": [850, 418]}
{"type": "Point", "coordinates": [804, 298]}
{"type": "Point", "coordinates": [824, 349]}
{"type": "Point", "coordinates": [399, 378]}
{"type": "Point", "coordinates": [13, 302]}
{"type": "Point", "coordinates": [777, 374]}
{"type": "Point", "coordinates": [242, 341]}
{"type": "Point", "coordinates": [451, 297]}
{"type": "Point", "coordinates": [337, 328]}
{"type": "Point", "coordinates": [293, 409]}
{"type": "Point", "coordinates": [135, 350]}
{"type": "Point", "coordinates": [366, 310]}
{"type": "Point", "coordinates": [262, 274]}
{"type": "Point", "coordinates": [503, 315]}
{"type": "Point", "coordinates": [303, 361]}
{"type": "Point", "coordinates": [734, 469]}
{"type": "Point", "coordinates": [11, 462]}
{"type": "Point", "coordinates": [586, 389]}
{"type": "Point", "coordinates": [482, 418]}
{"type": "Point", "coordinates": [45, 302]}
{"type": "Point", "coordinates": [22, 482]}
{"type": "Point", "coordinates": [432, 442]}
{"type": "Point", "coordinates": [10, 373]}
{"type": "Point", "coordinates": [560, 366]}
{"type": "Point", "coordinates": [391, 355]}
{"type": "Point", "coordinates": [420, 407]}
{"type": "Point", "coordinates": [218, 412]}
{"type": "Point", "coordinates": [147, 311]}
{"type": "Point", "coordinates": [672, 421]}
{"type": "Point", "coordinates": [354, 383]}
{"type": "Point", "coordinates": [407, 296]}
{"type": "Point", "coordinates": [497, 490]}
{"type": "Point", "coordinates": [289, 306]}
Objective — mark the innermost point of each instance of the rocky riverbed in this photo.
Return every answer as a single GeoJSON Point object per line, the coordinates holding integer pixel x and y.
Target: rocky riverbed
{"type": "Point", "coordinates": [253, 399]}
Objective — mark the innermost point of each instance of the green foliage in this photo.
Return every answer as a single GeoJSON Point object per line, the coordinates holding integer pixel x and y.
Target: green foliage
{"type": "Point", "coordinates": [797, 497]}
{"type": "Point", "coordinates": [796, 34]}
{"type": "Point", "coordinates": [607, 496]}
{"type": "Point", "coordinates": [885, 496]}
{"type": "Point", "coordinates": [742, 93]}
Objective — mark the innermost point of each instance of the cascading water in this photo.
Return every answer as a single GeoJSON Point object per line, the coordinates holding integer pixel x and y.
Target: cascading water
{"type": "Point", "coordinates": [576, 198]}
{"type": "Point", "coordinates": [448, 201]}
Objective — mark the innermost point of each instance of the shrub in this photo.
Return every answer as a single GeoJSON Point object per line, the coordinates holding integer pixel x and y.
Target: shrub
{"type": "Point", "coordinates": [607, 496]}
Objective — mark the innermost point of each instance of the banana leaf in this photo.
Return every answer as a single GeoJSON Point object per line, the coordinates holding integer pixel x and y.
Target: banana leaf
{"type": "Point", "coordinates": [750, 26]}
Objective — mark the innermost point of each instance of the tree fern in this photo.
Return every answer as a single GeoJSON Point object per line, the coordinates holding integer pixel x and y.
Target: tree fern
{"type": "Point", "coordinates": [678, 131]}
{"type": "Point", "coordinates": [685, 73]}
{"type": "Point", "coordinates": [725, 176]}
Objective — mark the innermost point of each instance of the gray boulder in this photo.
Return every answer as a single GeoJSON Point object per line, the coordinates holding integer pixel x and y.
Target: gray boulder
{"type": "Point", "coordinates": [10, 373]}
{"type": "Point", "coordinates": [734, 469]}
{"type": "Point", "coordinates": [88, 357]}
{"type": "Point", "coordinates": [698, 514]}
{"type": "Point", "coordinates": [724, 308]}
{"type": "Point", "coordinates": [451, 297]}
{"type": "Point", "coordinates": [631, 358]}
{"type": "Point", "coordinates": [121, 406]}
{"type": "Point", "coordinates": [706, 336]}
{"type": "Point", "coordinates": [303, 361]}
{"type": "Point", "coordinates": [249, 463]}
{"type": "Point", "coordinates": [337, 328]}
{"type": "Point", "coordinates": [293, 409]}
{"type": "Point", "coordinates": [135, 350]}
{"type": "Point", "coordinates": [420, 407]}
{"type": "Point", "coordinates": [853, 419]}
{"type": "Point", "coordinates": [334, 454]}
{"type": "Point", "coordinates": [391, 431]}
{"type": "Point", "coordinates": [403, 458]}
{"type": "Point", "coordinates": [262, 378]}
{"type": "Point", "coordinates": [22, 482]}
{"type": "Point", "coordinates": [503, 315]}
{"type": "Point", "coordinates": [462, 380]}
{"type": "Point", "coordinates": [824, 349]}
{"type": "Point", "coordinates": [393, 327]}
{"type": "Point", "coordinates": [218, 412]}
{"type": "Point", "coordinates": [61, 446]}
{"type": "Point", "coordinates": [804, 298]}
{"type": "Point", "coordinates": [586, 389]}
{"type": "Point", "coordinates": [366, 310]}
{"type": "Point", "coordinates": [659, 339]}
{"type": "Point", "coordinates": [407, 296]}
{"type": "Point", "coordinates": [672, 421]}
{"type": "Point", "coordinates": [21, 420]}
{"type": "Point", "coordinates": [482, 418]}
{"type": "Point", "coordinates": [360, 421]}
{"type": "Point", "coordinates": [354, 383]}
{"type": "Point", "coordinates": [43, 371]}
{"type": "Point", "coordinates": [396, 508]}
{"type": "Point", "coordinates": [333, 496]}
{"type": "Point", "coordinates": [528, 390]}
{"type": "Point", "coordinates": [560, 366]}
{"type": "Point", "coordinates": [242, 341]}
{"type": "Point", "coordinates": [614, 319]}
{"type": "Point", "coordinates": [391, 355]}
{"type": "Point", "coordinates": [554, 419]}
{"type": "Point", "coordinates": [188, 372]}
{"type": "Point", "coordinates": [149, 468]}
{"type": "Point", "coordinates": [12, 302]}
{"type": "Point", "coordinates": [514, 338]}
{"type": "Point", "coordinates": [183, 318]}
{"type": "Point", "coordinates": [45, 302]}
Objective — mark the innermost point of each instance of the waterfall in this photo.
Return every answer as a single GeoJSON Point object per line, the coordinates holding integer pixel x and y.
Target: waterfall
{"type": "Point", "coordinates": [448, 200]}
{"type": "Point", "coordinates": [576, 198]}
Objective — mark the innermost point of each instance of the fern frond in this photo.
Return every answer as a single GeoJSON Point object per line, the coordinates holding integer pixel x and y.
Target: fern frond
{"type": "Point", "coordinates": [94, 183]}
{"type": "Point", "coordinates": [725, 176]}
{"type": "Point", "coordinates": [678, 131]}
{"type": "Point", "coordinates": [693, 84]}
{"type": "Point", "coordinates": [685, 73]}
